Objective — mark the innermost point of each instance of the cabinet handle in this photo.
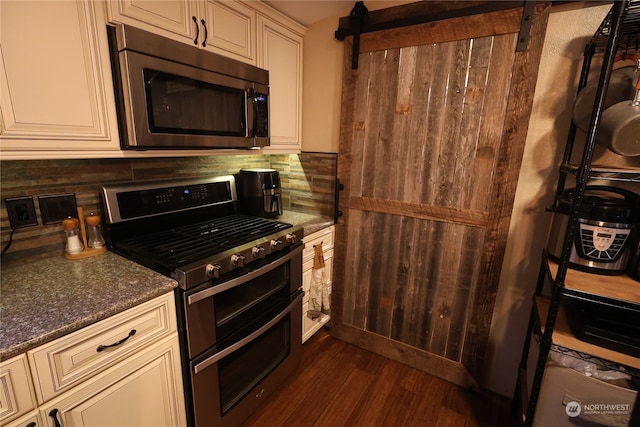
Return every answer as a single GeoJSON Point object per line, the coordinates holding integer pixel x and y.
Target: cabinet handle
{"type": "Point", "coordinates": [54, 414]}
{"type": "Point", "coordinates": [195, 21]}
{"type": "Point", "coordinates": [206, 32]}
{"type": "Point", "coordinates": [102, 347]}
{"type": "Point", "coordinates": [32, 424]}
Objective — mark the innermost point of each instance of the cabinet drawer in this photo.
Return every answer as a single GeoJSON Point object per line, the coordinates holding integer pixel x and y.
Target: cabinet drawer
{"type": "Point", "coordinates": [31, 419]}
{"type": "Point", "coordinates": [16, 389]}
{"type": "Point", "coordinates": [323, 237]}
{"type": "Point", "coordinates": [78, 356]}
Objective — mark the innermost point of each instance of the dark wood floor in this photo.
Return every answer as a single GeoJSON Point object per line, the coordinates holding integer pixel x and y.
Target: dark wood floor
{"type": "Point", "coordinates": [339, 384]}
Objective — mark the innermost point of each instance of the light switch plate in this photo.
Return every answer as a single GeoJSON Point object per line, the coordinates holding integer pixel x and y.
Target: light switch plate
{"type": "Point", "coordinates": [56, 207]}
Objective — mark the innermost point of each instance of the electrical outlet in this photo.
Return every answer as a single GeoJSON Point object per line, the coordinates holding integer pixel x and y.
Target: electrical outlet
{"type": "Point", "coordinates": [22, 212]}
{"type": "Point", "coordinates": [56, 207]}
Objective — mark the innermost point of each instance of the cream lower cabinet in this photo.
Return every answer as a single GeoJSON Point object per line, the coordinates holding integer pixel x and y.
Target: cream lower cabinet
{"type": "Point", "coordinates": [32, 419]}
{"type": "Point", "coordinates": [122, 371]}
{"type": "Point", "coordinates": [17, 397]}
{"type": "Point", "coordinates": [55, 79]}
{"type": "Point", "coordinates": [141, 391]}
{"type": "Point", "coordinates": [311, 324]}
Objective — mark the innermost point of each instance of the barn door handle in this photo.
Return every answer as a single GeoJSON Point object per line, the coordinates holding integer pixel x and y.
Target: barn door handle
{"type": "Point", "coordinates": [336, 203]}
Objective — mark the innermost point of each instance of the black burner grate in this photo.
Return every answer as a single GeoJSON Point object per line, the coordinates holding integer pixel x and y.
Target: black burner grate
{"type": "Point", "coordinates": [189, 243]}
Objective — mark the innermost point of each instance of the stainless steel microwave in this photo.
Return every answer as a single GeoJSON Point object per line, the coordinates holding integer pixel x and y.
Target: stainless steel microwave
{"type": "Point", "coordinates": [170, 95]}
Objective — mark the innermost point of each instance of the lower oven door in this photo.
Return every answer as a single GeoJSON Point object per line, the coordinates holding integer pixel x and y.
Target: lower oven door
{"type": "Point", "coordinates": [228, 385]}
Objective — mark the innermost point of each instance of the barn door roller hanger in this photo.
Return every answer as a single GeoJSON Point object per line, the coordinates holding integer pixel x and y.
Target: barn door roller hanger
{"type": "Point", "coordinates": [360, 20]}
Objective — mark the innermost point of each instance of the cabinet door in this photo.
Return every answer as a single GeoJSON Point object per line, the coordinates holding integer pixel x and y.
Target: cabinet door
{"type": "Point", "coordinates": [231, 30]}
{"type": "Point", "coordinates": [281, 53]}
{"type": "Point", "coordinates": [311, 325]}
{"type": "Point", "coordinates": [32, 419]}
{"type": "Point", "coordinates": [325, 238]}
{"type": "Point", "coordinates": [145, 390]}
{"type": "Point", "coordinates": [16, 390]}
{"type": "Point", "coordinates": [55, 77]}
{"type": "Point", "coordinates": [170, 18]}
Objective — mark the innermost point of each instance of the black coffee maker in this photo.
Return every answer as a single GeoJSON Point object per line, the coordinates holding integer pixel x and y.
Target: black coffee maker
{"type": "Point", "coordinates": [259, 192]}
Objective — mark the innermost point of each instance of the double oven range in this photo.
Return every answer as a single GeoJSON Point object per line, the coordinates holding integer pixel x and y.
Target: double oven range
{"type": "Point", "coordinates": [240, 287]}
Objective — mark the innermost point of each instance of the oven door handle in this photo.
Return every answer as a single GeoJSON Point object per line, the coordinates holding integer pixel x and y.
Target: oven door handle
{"type": "Point", "coordinates": [246, 340]}
{"type": "Point", "coordinates": [209, 292]}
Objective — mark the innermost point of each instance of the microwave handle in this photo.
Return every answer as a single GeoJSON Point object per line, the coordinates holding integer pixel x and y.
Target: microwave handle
{"type": "Point", "coordinates": [250, 112]}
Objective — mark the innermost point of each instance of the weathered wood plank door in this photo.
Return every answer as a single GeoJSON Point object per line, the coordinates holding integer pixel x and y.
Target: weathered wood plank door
{"type": "Point", "coordinates": [433, 127]}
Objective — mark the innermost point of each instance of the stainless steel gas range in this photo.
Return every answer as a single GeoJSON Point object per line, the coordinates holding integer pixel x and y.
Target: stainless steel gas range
{"type": "Point", "coordinates": [240, 287]}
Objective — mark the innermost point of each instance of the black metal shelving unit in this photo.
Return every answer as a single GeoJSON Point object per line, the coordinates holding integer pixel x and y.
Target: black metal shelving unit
{"type": "Point", "coordinates": [618, 33]}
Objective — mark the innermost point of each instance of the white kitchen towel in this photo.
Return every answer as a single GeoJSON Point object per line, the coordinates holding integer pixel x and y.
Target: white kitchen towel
{"type": "Point", "coordinates": [320, 288]}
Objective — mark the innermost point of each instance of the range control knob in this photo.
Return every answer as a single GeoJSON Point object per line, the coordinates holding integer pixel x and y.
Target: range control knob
{"type": "Point", "coordinates": [237, 260]}
{"type": "Point", "coordinates": [257, 251]}
{"type": "Point", "coordinates": [213, 271]}
{"type": "Point", "coordinates": [291, 238]}
{"type": "Point", "coordinates": [276, 244]}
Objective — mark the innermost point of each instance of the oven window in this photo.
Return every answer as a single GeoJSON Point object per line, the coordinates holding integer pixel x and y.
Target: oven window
{"type": "Point", "coordinates": [243, 309]}
{"type": "Point", "coordinates": [182, 105]}
{"type": "Point", "coordinates": [243, 369]}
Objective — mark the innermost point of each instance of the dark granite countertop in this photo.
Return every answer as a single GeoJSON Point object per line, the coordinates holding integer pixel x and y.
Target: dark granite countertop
{"type": "Point", "coordinates": [49, 298]}
{"type": "Point", "coordinates": [310, 222]}
{"type": "Point", "coordinates": [46, 299]}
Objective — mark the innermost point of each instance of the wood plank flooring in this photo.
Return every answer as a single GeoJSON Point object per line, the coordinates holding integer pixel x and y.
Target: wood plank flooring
{"type": "Point", "coordinates": [340, 384]}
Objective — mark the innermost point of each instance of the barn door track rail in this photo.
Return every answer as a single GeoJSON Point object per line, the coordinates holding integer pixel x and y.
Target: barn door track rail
{"type": "Point", "coordinates": [361, 20]}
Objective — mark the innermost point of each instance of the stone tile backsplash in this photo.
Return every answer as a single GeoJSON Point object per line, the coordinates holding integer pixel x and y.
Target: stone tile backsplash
{"type": "Point", "coordinates": [308, 181]}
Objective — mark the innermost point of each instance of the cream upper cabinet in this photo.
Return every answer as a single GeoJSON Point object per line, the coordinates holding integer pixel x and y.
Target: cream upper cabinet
{"type": "Point", "coordinates": [224, 27]}
{"type": "Point", "coordinates": [248, 31]}
{"type": "Point", "coordinates": [176, 19]}
{"type": "Point", "coordinates": [231, 30]}
{"type": "Point", "coordinates": [55, 78]}
{"type": "Point", "coordinates": [280, 52]}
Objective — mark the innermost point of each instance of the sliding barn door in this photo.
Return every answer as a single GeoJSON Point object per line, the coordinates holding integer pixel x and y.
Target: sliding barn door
{"type": "Point", "coordinates": [434, 122]}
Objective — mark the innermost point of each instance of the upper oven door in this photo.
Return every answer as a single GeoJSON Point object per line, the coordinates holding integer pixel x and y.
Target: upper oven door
{"type": "Point", "coordinates": [222, 314]}
{"type": "Point", "coordinates": [166, 104]}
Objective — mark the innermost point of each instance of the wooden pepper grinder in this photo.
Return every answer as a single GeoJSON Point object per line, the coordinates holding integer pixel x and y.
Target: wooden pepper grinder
{"type": "Point", "coordinates": [94, 233]}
